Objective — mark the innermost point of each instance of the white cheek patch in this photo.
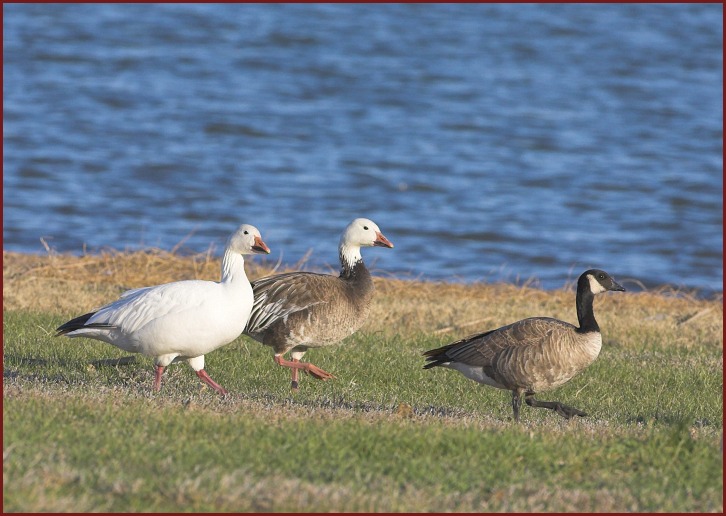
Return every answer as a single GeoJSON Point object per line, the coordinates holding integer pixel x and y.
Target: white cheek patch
{"type": "Point", "coordinates": [595, 286]}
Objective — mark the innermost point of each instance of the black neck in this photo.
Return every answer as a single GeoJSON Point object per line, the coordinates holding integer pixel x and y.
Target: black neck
{"type": "Point", "coordinates": [357, 272]}
{"type": "Point", "coordinates": [585, 314]}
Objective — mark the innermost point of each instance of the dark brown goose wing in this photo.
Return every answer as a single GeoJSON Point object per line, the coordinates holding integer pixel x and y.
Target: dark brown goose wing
{"type": "Point", "coordinates": [277, 297]}
{"type": "Point", "coordinates": [482, 349]}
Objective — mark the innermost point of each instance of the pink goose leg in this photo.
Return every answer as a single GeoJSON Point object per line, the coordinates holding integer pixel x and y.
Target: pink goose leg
{"type": "Point", "coordinates": [305, 366]}
{"type": "Point", "coordinates": [202, 374]}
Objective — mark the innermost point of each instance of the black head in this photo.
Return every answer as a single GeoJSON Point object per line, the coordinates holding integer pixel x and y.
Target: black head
{"type": "Point", "coordinates": [597, 281]}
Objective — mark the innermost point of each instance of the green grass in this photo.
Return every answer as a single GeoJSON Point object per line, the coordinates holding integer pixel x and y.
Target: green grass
{"type": "Point", "coordinates": [385, 435]}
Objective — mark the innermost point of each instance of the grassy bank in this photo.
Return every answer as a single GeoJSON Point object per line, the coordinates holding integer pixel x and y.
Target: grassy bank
{"type": "Point", "coordinates": [84, 432]}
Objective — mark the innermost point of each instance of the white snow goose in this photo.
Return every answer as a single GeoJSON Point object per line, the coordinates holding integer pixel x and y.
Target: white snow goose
{"type": "Point", "coordinates": [535, 354]}
{"type": "Point", "coordinates": [301, 310]}
{"type": "Point", "coordinates": [182, 320]}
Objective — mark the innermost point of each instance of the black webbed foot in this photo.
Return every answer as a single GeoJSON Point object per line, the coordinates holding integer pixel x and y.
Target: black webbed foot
{"type": "Point", "coordinates": [568, 412]}
{"type": "Point", "coordinates": [562, 410]}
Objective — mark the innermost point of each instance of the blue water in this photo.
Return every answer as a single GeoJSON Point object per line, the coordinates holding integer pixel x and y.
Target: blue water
{"type": "Point", "coordinates": [489, 142]}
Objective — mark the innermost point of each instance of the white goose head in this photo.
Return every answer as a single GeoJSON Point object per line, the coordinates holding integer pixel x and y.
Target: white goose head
{"type": "Point", "coordinates": [247, 240]}
{"type": "Point", "coordinates": [360, 233]}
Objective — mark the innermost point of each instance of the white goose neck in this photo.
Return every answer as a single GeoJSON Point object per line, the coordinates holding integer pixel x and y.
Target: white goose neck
{"type": "Point", "coordinates": [233, 267]}
{"type": "Point", "coordinates": [349, 256]}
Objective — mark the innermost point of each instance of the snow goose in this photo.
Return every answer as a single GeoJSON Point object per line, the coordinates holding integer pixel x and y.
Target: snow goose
{"type": "Point", "coordinates": [535, 354]}
{"type": "Point", "coordinates": [182, 320]}
{"type": "Point", "coordinates": [301, 310]}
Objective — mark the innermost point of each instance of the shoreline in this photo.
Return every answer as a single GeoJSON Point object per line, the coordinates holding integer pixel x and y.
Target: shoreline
{"type": "Point", "coordinates": [62, 285]}
{"type": "Point", "coordinates": [633, 285]}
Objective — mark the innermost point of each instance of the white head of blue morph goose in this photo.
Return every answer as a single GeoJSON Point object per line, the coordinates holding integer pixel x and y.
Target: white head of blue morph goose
{"type": "Point", "coordinates": [182, 320]}
{"type": "Point", "coordinates": [301, 310]}
{"type": "Point", "coordinates": [535, 354]}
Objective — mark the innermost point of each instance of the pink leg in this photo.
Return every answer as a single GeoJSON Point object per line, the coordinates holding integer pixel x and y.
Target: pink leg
{"type": "Point", "coordinates": [202, 374]}
{"type": "Point", "coordinates": [158, 371]}
{"type": "Point", "coordinates": [305, 366]}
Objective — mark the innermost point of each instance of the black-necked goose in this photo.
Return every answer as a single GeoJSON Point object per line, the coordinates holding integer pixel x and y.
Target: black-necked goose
{"type": "Point", "coordinates": [535, 354]}
{"type": "Point", "coordinates": [301, 310]}
{"type": "Point", "coordinates": [182, 320]}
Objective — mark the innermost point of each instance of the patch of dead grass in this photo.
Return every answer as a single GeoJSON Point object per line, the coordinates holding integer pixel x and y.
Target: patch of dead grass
{"type": "Point", "coordinates": [68, 285]}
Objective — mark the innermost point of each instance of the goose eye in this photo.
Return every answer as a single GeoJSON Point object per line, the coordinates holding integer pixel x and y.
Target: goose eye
{"type": "Point", "coordinates": [247, 232]}
{"type": "Point", "coordinates": [365, 227]}
{"type": "Point", "coordinates": [601, 276]}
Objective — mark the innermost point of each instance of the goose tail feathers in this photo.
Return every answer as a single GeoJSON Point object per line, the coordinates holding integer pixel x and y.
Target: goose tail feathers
{"type": "Point", "coordinates": [79, 323]}
{"type": "Point", "coordinates": [438, 356]}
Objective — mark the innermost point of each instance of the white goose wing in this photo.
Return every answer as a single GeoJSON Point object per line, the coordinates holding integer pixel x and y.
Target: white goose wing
{"type": "Point", "coordinates": [138, 307]}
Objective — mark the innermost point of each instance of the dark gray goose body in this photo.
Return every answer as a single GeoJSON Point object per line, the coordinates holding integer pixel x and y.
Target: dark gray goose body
{"type": "Point", "coordinates": [535, 354]}
{"type": "Point", "coordinates": [301, 310]}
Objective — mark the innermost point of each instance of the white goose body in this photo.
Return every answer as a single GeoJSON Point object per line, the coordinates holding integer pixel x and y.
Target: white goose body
{"type": "Point", "coordinates": [183, 320]}
{"type": "Point", "coordinates": [180, 320]}
{"type": "Point", "coordinates": [301, 310]}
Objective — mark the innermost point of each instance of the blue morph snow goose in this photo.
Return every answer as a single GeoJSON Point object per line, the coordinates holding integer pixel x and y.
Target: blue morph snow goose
{"type": "Point", "coordinates": [301, 310]}
{"type": "Point", "coordinates": [183, 320]}
{"type": "Point", "coordinates": [535, 354]}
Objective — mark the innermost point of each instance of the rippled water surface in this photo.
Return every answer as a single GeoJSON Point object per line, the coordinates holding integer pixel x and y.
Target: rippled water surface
{"type": "Point", "coordinates": [489, 142]}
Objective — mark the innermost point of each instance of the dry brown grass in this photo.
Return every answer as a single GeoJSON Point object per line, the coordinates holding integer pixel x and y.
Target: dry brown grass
{"type": "Point", "coordinates": [68, 285]}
